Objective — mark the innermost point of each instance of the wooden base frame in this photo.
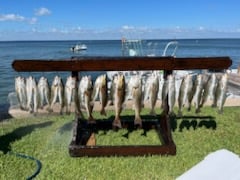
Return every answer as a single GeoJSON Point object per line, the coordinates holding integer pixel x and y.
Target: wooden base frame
{"type": "Point", "coordinates": [82, 132]}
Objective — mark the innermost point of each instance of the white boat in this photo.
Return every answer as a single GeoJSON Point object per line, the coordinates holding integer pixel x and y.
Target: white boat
{"type": "Point", "coordinates": [79, 47]}
{"type": "Point", "coordinates": [133, 47]}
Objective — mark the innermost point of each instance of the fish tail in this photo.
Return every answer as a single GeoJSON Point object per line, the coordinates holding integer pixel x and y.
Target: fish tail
{"type": "Point", "coordinates": [138, 121]}
{"type": "Point", "coordinates": [220, 111]}
{"type": "Point", "coordinates": [91, 119]}
{"type": "Point", "coordinates": [117, 122]}
{"type": "Point", "coordinates": [152, 112]}
{"type": "Point", "coordinates": [103, 112]}
{"type": "Point", "coordinates": [180, 113]}
{"type": "Point", "coordinates": [197, 110]}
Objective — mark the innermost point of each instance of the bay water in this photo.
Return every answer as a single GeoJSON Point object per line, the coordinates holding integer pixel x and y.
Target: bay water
{"type": "Point", "coordinates": [11, 50]}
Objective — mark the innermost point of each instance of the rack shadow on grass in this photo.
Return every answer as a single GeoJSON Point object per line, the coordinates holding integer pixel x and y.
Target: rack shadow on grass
{"type": "Point", "coordinates": [193, 122]}
{"type": "Point", "coordinates": [85, 129]}
{"type": "Point", "coordinates": [66, 127]}
{"type": "Point", "coordinates": [18, 133]}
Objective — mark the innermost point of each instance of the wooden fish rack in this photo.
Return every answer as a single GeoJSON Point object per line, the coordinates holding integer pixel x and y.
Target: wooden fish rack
{"type": "Point", "coordinates": [82, 129]}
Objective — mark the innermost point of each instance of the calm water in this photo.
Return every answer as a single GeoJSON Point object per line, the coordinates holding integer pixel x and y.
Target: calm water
{"type": "Point", "coordinates": [60, 50]}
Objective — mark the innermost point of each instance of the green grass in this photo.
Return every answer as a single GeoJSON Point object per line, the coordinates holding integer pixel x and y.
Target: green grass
{"type": "Point", "coordinates": [47, 139]}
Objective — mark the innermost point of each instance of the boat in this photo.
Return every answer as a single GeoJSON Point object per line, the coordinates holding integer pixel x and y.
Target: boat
{"type": "Point", "coordinates": [79, 47]}
{"type": "Point", "coordinates": [134, 47]}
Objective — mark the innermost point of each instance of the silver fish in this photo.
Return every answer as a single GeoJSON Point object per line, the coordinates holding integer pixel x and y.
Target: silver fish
{"type": "Point", "coordinates": [32, 94]}
{"type": "Point", "coordinates": [171, 92]}
{"type": "Point", "coordinates": [70, 94]}
{"type": "Point", "coordinates": [164, 92]}
{"type": "Point", "coordinates": [57, 93]}
{"type": "Point", "coordinates": [112, 90]}
{"type": "Point", "coordinates": [44, 92]}
{"type": "Point", "coordinates": [198, 90]}
{"type": "Point", "coordinates": [100, 89]}
{"type": "Point", "coordinates": [210, 89]}
{"type": "Point", "coordinates": [221, 92]}
{"type": "Point", "coordinates": [151, 93]}
{"type": "Point", "coordinates": [20, 88]}
{"type": "Point", "coordinates": [185, 93]}
{"type": "Point", "coordinates": [119, 97]}
{"type": "Point", "coordinates": [85, 96]}
{"type": "Point", "coordinates": [136, 93]}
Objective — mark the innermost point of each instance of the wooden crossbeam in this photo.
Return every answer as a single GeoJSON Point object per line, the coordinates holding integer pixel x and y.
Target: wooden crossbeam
{"type": "Point", "coordinates": [122, 64]}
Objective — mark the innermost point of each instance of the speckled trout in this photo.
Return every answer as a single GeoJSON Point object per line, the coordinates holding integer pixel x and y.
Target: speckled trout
{"type": "Point", "coordinates": [20, 88]}
{"type": "Point", "coordinates": [136, 92]}
{"type": "Point", "coordinates": [100, 90]}
{"type": "Point", "coordinates": [85, 90]}
{"type": "Point", "coordinates": [32, 94]}
{"type": "Point", "coordinates": [70, 94]}
{"type": "Point", "coordinates": [119, 97]}
{"type": "Point", "coordinates": [57, 93]}
{"type": "Point", "coordinates": [221, 92]}
{"type": "Point", "coordinates": [151, 92]}
{"type": "Point", "coordinates": [44, 92]}
{"type": "Point", "coordinates": [185, 93]}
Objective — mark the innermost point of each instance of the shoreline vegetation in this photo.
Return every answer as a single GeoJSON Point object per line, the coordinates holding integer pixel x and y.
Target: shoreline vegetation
{"type": "Point", "coordinates": [47, 138]}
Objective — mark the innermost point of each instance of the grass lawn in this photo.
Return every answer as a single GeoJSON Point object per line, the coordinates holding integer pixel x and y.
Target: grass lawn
{"type": "Point", "coordinates": [47, 139]}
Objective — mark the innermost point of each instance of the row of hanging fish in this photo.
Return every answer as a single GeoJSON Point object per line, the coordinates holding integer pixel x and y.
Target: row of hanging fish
{"type": "Point", "coordinates": [197, 90]}
{"type": "Point", "coordinates": [193, 90]}
{"type": "Point", "coordinates": [32, 95]}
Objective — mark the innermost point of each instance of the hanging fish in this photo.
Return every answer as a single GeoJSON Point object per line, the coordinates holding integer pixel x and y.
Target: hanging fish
{"type": "Point", "coordinates": [100, 89]}
{"type": "Point", "coordinates": [198, 90]}
{"type": "Point", "coordinates": [85, 96]}
{"type": "Point", "coordinates": [151, 93]}
{"type": "Point", "coordinates": [70, 94]}
{"type": "Point", "coordinates": [44, 92]}
{"type": "Point", "coordinates": [32, 94]}
{"type": "Point", "coordinates": [171, 92]}
{"type": "Point", "coordinates": [112, 89]}
{"type": "Point", "coordinates": [57, 93]}
{"type": "Point", "coordinates": [20, 88]}
{"type": "Point", "coordinates": [164, 91]}
{"type": "Point", "coordinates": [136, 93]}
{"type": "Point", "coordinates": [119, 97]}
{"type": "Point", "coordinates": [221, 93]}
{"type": "Point", "coordinates": [185, 93]}
{"type": "Point", "coordinates": [210, 89]}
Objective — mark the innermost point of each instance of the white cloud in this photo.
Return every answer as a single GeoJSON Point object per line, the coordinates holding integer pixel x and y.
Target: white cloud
{"type": "Point", "coordinates": [201, 28]}
{"type": "Point", "coordinates": [17, 18]}
{"type": "Point", "coordinates": [11, 17]}
{"type": "Point", "coordinates": [126, 27]}
{"type": "Point", "coordinates": [42, 11]}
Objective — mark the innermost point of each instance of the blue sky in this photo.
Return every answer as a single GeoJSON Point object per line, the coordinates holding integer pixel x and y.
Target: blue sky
{"type": "Point", "coordinates": [112, 19]}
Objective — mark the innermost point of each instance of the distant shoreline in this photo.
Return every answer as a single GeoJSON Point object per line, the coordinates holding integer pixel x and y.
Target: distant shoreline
{"type": "Point", "coordinates": [82, 40]}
